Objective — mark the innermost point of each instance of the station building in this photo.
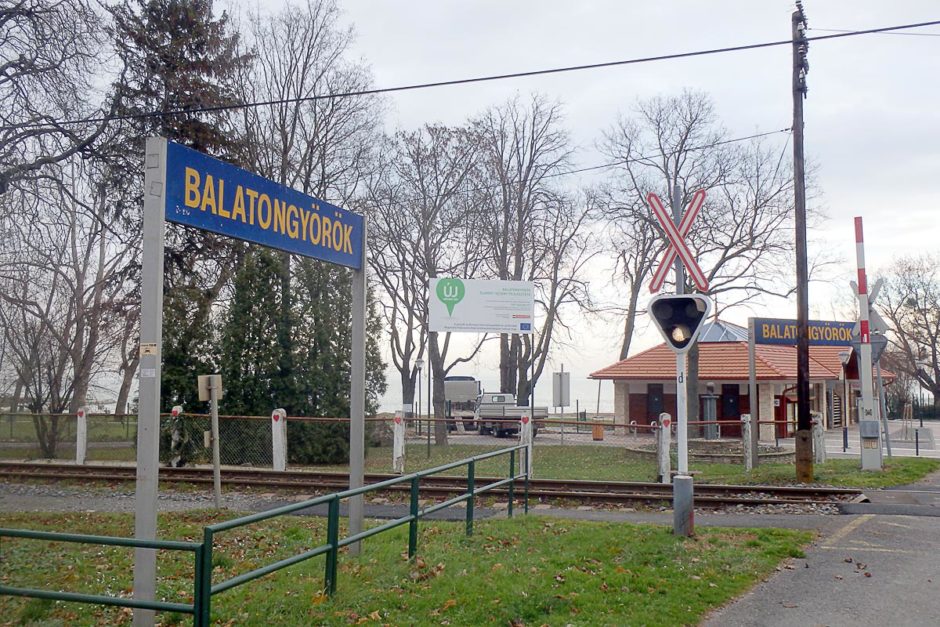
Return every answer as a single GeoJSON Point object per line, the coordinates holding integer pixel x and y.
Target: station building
{"type": "Point", "coordinates": [645, 383]}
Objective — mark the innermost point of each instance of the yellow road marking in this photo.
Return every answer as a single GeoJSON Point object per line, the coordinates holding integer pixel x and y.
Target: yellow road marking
{"type": "Point", "coordinates": [849, 528]}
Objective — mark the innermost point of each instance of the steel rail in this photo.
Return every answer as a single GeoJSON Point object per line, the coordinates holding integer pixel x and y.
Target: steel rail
{"type": "Point", "coordinates": [603, 491]}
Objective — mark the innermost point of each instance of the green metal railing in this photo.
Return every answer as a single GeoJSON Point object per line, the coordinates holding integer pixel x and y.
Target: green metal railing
{"type": "Point", "coordinates": [198, 597]}
{"type": "Point", "coordinates": [203, 589]}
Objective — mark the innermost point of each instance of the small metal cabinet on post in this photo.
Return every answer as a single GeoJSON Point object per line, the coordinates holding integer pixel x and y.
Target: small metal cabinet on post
{"type": "Point", "coordinates": [869, 431]}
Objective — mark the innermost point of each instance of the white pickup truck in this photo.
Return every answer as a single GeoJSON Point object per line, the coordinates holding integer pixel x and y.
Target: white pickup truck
{"type": "Point", "coordinates": [497, 413]}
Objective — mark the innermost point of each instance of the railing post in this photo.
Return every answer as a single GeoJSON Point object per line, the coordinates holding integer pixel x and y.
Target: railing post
{"type": "Point", "coordinates": [512, 475]}
{"type": "Point", "coordinates": [279, 439]}
{"type": "Point", "coordinates": [413, 525]}
{"type": "Point", "coordinates": [81, 435]}
{"type": "Point", "coordinates": [471, 486]}
{"type": "Point", "coordinates": [332, 538]}
{"type": "Point", "coordinates": [525, 498]}
{"type": "Point", "coordinates": [198, 600]}
{"type": "Point", "coordinates": [204, 616]}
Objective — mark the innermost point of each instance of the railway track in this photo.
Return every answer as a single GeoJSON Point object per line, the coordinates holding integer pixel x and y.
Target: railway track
{"type": "Point", "coordinates": [613, 492]}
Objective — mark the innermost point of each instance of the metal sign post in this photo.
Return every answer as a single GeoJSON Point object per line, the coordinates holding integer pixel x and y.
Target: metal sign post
{"type": "Point", "coordinates": [868, 427]}
{"type": "Point", "coordinates": [357, 391]}
{"type": "Point", "coordinates": [148, 413]}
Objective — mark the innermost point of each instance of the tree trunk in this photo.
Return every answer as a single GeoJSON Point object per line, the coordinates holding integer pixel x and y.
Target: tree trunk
{"type": "Point", "coordinates": [630, 322]}
{"type": "Point", "coordinates": [407, 390]}
{"type": "Point", "coordinates": [17, 393]}
{"type": "Point", "coordinates": [437, 372]}
{"type": "Point", "coordinates": [127, 380]}
{"type": "Point", "coordinates": [440, 409]}
{"type": "Point", "coordinates": [505, 381]}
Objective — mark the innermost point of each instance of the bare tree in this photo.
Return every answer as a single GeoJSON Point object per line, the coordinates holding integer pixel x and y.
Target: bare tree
{"type": "Point", "coordinates": [63, 273]}
{"type": "Point", "coordinates": [50, 53]}
{"type": "Point", "coordinates": [637, 246]}
{"type": "Point", "coordinates": [424, 228]}
{"type": "Point", "coordinates": [741, 238]}
{"type": "Point", "coordinates": [910, 302]}
{"type": "Point", "coordinates": [320, 146]}
{"type": "Point", "coordinates": [533, 231]}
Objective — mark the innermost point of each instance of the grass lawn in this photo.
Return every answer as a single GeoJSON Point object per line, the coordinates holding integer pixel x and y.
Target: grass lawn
{"type": "Point", "coordinates": [608, 463]}
{"type": "Point", "coordinates": [522, 571]}
{"type": "Point", "coordinates": [836, 472]}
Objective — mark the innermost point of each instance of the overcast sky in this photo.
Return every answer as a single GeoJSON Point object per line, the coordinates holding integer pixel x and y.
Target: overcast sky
{"type": "Point", "coordinates": [872, 115]}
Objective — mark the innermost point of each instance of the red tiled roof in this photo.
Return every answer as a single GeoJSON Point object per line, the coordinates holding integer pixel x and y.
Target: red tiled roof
{"type": "Point", "coordinates": [727, 361]}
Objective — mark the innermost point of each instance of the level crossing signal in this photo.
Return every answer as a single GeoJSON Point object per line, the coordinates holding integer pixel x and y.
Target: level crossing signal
{"type": "Point", "coordinates": [679, 318]}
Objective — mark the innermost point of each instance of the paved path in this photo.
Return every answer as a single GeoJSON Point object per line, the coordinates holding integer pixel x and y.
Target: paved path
{"type": "Point", "coordinates": [879, 566]}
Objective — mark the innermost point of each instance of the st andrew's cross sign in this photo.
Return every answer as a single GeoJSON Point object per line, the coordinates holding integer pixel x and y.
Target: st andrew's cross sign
{"type": "Point", "coordinates": [677, 244]}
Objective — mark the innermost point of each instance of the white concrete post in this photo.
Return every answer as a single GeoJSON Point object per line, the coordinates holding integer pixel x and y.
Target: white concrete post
{"type": "Point", "coordinates": [279, 439]}
{"type": "Point", "coordinates": [663, 442]}
{"type": "Point", "coordinates": [525, 438]}
{"type": "Point", "coordinates": [398, 444]}
{"type": "Point", "coordinates": [746, 442]}
{"type": "Point", "coordinates": [81, 435]}
{"type": "Point", "coordinates": [819, 440]}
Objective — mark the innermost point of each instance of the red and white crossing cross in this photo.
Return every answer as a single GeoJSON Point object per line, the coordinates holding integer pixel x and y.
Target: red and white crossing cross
{"type": "Point", "coordinates": [677, 241]}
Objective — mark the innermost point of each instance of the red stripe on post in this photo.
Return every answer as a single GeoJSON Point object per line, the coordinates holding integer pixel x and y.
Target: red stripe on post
{"type": "Point", "coordinates": [863, 332]}
{"type": "Point", "coordinates": [858, 230]}
{"type": "Point", "coordinates": [862, 281]}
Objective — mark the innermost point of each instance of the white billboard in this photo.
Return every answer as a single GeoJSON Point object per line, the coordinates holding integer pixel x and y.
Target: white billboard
{"type": "Point", "coordinates": [474, 306]}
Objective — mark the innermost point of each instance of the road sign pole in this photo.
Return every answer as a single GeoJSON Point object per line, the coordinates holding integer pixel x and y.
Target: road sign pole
{"type": "Point", "coordinates": [215, 391]}
{"type": "Point", "coordinates": [357, 391]}
{"type": "Point", "coordinates": [677, 217]}
{"type": "Point", "coordinates": [151, 337]}
{"type": "Point", "coordinates": [752, 398]}
{"type": "Point", "coordinates": [682, 418]}
{"type": "Point", "coordinates": [682, 487]}
{"type": "Point", "coordinates": [870, 446]}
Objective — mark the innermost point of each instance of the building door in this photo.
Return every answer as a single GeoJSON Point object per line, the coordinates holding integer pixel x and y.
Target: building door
{"type": "Point", "coordinates": [836, 411]}
{"type": "Point", "coordinates": [654, 402]}
{"type": "Point", "coordinates": [780, 416]}
{"type": "Point", "coordinates": [730, 410]}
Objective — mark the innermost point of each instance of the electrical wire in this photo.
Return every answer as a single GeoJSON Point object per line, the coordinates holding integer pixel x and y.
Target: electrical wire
{"type": "Point", "coordinates": [845, 30]}
{"type": "Point", "coordinates": [479, 79]}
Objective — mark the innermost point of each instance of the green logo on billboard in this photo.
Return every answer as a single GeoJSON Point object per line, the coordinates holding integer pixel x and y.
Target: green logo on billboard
{"type": "Point", "coordinates": [450, 292]}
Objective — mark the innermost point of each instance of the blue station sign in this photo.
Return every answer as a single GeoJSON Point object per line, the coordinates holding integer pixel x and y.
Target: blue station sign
{"type": "Point", "coordinates": [821, 332]}
{"type": "Point", "coordinates": [212, 195]}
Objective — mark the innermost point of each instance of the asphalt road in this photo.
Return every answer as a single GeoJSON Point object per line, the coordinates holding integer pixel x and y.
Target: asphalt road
{"type": "Point", "coordinates": [873, 570]}
{"type": "Point", "coordinates": [879, 566]}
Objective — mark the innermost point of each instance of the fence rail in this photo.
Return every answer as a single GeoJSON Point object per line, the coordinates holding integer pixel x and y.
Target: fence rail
{"type": "Point", "coordinates": [169, 545]}
{"type": "Point", "coordinates": [203, 588]}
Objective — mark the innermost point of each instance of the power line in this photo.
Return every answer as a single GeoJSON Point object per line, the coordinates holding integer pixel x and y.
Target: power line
{"type": "Point", "coordinates": [481, 79]}
{"type": "Point", "coordinates": [843, 30]}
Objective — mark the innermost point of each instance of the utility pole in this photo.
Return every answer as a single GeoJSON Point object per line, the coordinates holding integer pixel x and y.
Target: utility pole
{"type": "Point", "coordinates": [804, 441]}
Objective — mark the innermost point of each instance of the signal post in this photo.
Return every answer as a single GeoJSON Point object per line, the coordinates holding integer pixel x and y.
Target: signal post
{"type": "Point", "coordinates": [679, 319]}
